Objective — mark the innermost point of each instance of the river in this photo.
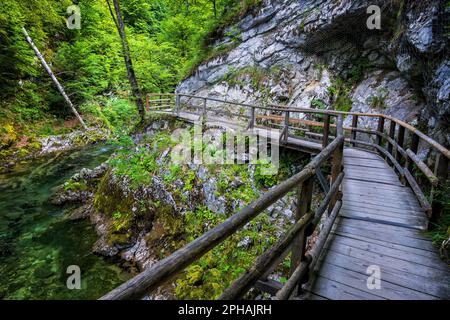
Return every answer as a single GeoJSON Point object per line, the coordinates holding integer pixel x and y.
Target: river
{"type": "Point", "coordinates": [37, 244]}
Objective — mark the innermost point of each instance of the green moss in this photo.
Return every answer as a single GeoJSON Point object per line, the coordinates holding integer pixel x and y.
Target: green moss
{"type": "Point", "coordinates": [208, 277]}
{"type": "Point", "coordinates": [117, 206]}
{"type": "Point", "coordinates": [340, 92]}
{"type": "Point", "coordinates": [378, 101]}
{"type": "Point", "coordinates": [75, 186]}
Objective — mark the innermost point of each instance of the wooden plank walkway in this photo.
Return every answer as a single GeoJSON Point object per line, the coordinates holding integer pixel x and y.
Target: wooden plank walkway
{"type": "Point", "coordinates": [381, 224]}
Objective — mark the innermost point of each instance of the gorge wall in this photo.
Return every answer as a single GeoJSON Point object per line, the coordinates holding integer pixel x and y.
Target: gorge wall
{"type": "Point", "coordinates": [322, 54]}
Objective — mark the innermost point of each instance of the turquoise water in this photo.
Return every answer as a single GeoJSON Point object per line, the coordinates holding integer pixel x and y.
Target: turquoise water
{"type": "Point", "coordinates": [37, 245]}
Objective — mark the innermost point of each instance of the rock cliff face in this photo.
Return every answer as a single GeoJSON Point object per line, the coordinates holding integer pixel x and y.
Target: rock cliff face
{"type": "Point", "coordinates": [321, 53]}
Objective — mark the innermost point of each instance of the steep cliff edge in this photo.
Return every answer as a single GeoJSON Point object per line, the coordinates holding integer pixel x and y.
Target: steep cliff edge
{"type": "Point", "coordinates": [322, 54]}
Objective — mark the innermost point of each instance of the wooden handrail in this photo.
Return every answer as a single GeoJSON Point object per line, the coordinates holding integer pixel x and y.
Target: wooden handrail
{"type": "Point", "coordinates": [281, 108]}
{"type": "Point", "coordinates": [165, 269]}
{"type": "Point", "coordinates": [396, 149]}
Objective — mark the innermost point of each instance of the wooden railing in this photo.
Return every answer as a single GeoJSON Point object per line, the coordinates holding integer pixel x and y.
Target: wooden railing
{"type": "Point", "coordinates": [294, 241]}
{"type": "Point", "coordinates": [399, 146]}
{"type": "Point", "coordinates": [395, 140]}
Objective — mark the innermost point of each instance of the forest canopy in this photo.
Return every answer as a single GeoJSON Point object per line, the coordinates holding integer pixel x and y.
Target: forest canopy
{"type": "Point", "coordinates": [167, 39]}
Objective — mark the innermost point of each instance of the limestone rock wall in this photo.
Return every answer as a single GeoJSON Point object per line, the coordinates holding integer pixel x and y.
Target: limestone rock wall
{"type": "Point", "coordinates": [300, 52]}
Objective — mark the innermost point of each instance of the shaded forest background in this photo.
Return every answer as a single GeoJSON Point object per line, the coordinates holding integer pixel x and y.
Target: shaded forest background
{"type": "Point", "coordinates": [168, 38]}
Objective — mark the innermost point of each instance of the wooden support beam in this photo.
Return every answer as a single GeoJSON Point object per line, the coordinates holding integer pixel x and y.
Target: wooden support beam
{"type": "Point", "coordinates": [337, 161]}
{"type": "Point", "coordinates": [304, 201]}
{"type": "Point", "coordinates": [418, 192]}
{"type": "Point", "coordinates": [423, 167]}
{"type": "Point", "coordinates": [400, 143]}
{"type": "Point", "coordinates": [354, 126]}
{"type": "Point", "coordinates": [380, 129]}
{"type": "Point", "coordinates": [392, 136]}
{"type": "Point", "coordinates": [239, 287]}
{"type": "Point", "coordinates": [311, 258]}
{"type": "Point", "coordinates": [326, 131]}
{"type": "Point", "coordinates": [286, 126]}
{"type": "Point", "coordinates": [414, 148]}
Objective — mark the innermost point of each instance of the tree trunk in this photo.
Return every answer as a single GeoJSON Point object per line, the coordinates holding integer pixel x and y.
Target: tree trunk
{"type": "Point", "coordinates": [52, 76]}
{"type": "Point", "coordinates": [128, 63]}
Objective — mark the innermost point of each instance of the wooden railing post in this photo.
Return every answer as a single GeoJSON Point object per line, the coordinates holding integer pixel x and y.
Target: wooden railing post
{"type": "Point", "coordinates": [400, 142]}
{"type": "Point", "coordinates": [354, 126]}
{"type": "Point", "coordinates": [177, 104]}
{"type": "Point", "coordinates": [252, 118]}
{"type": "Point", "coordinates": [414, 147]}
{"type": "Point", "coordinates": [147, 102]}
{"type": "Point", "coordinates": [337, 162]}
{"type": "Point", "coordinates": [304, 200]}
{"type": "Point", "coordinates": [326, 131]}
{"type": "Point", "coordinates": [441, 172]}
{"type": "Point", "coordinates": [286, 126]}
{"type": "Point", "coordinates": [392, 136]}
{"type": "Point", "coordinates": [380, 129]}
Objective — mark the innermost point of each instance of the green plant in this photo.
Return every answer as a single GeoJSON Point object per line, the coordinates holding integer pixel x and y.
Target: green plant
{"type": "Point", "coordinates": [340, 91]}
{"type": "Point", "coordinates": [378, 101]}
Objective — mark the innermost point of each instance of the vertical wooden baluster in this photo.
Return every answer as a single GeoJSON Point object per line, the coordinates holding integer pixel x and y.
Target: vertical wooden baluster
{"type": "Point", "coordinates": [441, 172]}
{"type": "Point", "coordinates": [326, 131]}
{"type": "Point", "coordinates": [414, 147]}
{"type": "Point", "coordinates": [204, 111]}
{"type": "Point", "coordinates": [354, 126]}
{"type": "Point", "coordinates": [337, 162]}
{"type": "Point", "coordinates": [380, 130]}
{"type": "Point", "coordinates": [286, 126]}
{"type": "Point", "coordinates": [391, 135]}
{"type": "Point", "coordinates": [304, 200]}
{"type": "Point", "coordinates": [147, 102]}
{"type": "Point", "coordinates": [252, 118]}
{"type": "Point", "coordinates": [177, 104]}
{"type": "Point", "coordinates": [400, 142]}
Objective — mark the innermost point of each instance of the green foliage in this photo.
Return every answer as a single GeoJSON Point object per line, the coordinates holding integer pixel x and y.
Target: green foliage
{"type": "Point", "coordinates": [441, 229]}
{"type": "Point", "coordinates": [214, 272]}
{"type": "Point", "coordinates": [113, 113]}
{"type": "Point", "coordinates": [166, 38]}
{"type": "Point", "coordinates": [340, 90]}
{"type": "Point", "coordinates": [139, 163]}
{"type": "Point", "coordinates": [377, 101]}
{"type": "Point", "coordinates": [318, 104]}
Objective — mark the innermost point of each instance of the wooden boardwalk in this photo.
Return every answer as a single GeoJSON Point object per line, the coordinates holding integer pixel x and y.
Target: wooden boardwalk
{"type": "Point", "coordinates": [381, 224]}
{"type": "Point", "coordinates": [372, 244]}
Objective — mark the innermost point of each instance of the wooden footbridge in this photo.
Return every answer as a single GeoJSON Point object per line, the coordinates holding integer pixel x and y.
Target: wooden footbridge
{"type": "Point", "coordinates": [371, 244]}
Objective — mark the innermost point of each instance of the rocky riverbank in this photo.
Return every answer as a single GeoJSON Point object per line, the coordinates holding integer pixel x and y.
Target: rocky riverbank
{"type": "Point", "coordinates": [144, 210]}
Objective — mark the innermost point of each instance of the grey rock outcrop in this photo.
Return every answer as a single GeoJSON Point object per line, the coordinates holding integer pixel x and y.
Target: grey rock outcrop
{"type": "Point", "coordinates": [294, 52]}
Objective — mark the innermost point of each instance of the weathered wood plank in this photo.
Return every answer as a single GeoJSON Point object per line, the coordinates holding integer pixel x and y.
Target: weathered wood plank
{"type": "Point", "coordinates": [361, 194]}
{"type": "Point", "coordinates": [390, 252]}
{"type": "Point", "coordinates": [358, 281]}
{"type": "Point", "coordinates": [334, 290]}
{"type": "Point", "coordinates": [394, 238]}
{"type": "Point", "coordinates": [378, 179]}
{"type": "Point", "coordinates": [411, 222]}
{"type": "Point", "coordinates": [383, 210]}
{"type": "Point", "coordinates": [415, 282]}
{"type": "Point", "coordinates": [388, 275]}
{"type": "Point", "coordinates": [382, 202]}
{"type": "Point", "coordinates": [430, 255]}
{"type": "Point", "coordinates": [394, 263]}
